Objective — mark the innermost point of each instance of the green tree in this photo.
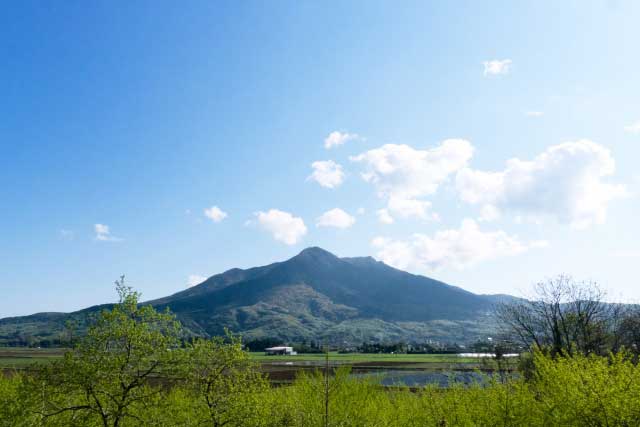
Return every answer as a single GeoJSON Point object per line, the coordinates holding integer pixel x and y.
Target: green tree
{"type": "Point", "coordinates": [16, 406]}
{"type": "Point", "coordinates": [111, 368]}
{"type": "Point", "coordinates": [227, 386]}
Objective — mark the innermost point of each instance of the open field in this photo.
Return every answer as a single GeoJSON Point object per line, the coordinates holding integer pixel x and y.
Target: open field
{"type": "Point", "coordinates": [19, 357]}
{"type": "Point", "coordinates": [411, 369]}
{"type": "Point", "coordinates": [407, 368]}
{"type": "Point", "coordinates": [353, 358]}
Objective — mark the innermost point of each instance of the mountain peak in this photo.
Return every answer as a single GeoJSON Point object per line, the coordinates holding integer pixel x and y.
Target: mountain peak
{"type": "Point", "coordinates": [315, 251]}
{"type": "Point", "coordinates": [315, 256]}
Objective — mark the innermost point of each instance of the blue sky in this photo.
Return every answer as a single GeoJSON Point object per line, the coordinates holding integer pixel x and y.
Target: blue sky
{"type": "Point", "coordinates": [121, 124]}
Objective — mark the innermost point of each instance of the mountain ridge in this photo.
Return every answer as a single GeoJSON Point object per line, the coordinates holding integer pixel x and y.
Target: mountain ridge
{"type": "Point", "coordinates": [312, 295]}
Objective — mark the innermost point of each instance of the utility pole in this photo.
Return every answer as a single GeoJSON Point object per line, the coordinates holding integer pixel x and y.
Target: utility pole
{"type": "Point", "coordinates": [326, 385]}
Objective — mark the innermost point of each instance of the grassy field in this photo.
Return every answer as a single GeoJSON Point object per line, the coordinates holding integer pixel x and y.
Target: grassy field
{"type": "Point", "coordinates": [23, 357]}
{"type": "Point", "coordinates": [11, 357]}
{"type": "Point", "coordinates": [284, 369]}
{"type": "Point", "coordinates": [353, 358]}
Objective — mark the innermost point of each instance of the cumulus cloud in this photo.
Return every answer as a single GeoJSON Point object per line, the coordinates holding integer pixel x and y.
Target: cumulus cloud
{"type": "Point", "coordinates": [384, 217]}
{"type": "Point", "coordinates": [337, 138]}
{"type": "Point", "coordinates": [195, 279]}
{"type": "Point", "coordinates": [633, 128]}
{"type": "Point", "coordinates": [404, 172]}
{"type": "Point", "coordinates": [327, 173]}
{"type": "Point", "coordinates": [489, 213]}
{"type": "Point", "coordinates": [335, 218]}
{"type": "Point", "coordinates": [453, 248]}
{"type": "Point", "coordinates": [566, 182]}
{"type": "Point", "coordinates": [497, 66]}
{"type": "Point", "coordinates": [402, 175]}
{"type": "Point", "coordinates": [104, 234]}
{"type": "Point", "coordinates": [215, 214]}
{"type": "Point", "coordinates": [408, 208]}
{"type": "Point", "coordinates": [283, 226]}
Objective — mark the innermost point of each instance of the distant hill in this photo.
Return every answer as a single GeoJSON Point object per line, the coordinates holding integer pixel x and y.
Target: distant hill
{"type": "Point", "coordinates": [314, 295]}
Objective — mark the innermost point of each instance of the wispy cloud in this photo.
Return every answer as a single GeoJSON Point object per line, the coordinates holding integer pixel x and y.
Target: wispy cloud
{"type": "Point", "coordinates": [337, 138]}
{"type": "Point", "coordinates": [103, 234]}
{"type": "Point", "coordinates": [452, 248]}
{"type": "Point", "coordinates": [633, 128]}
{"type": "Point", "coordinates": [534, 113]}
{"type": "Point", "coordinates": [497, 67]}
{"type": "Point", "coordinates": [66, 234]}
{"type": "Point", "coordinates": [627, 254]}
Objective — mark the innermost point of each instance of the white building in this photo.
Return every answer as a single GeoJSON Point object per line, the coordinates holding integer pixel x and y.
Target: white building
{"type": "Point", "coordinates": [280, 350]}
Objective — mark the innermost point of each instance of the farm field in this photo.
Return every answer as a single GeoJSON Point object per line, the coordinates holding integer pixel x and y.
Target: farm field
{"type": "Point", "coordinates": [411, 369]}
{"type": "Point", "coordinates": [351, 358]}
{"type": "Point", "coordinates": [18, 357]}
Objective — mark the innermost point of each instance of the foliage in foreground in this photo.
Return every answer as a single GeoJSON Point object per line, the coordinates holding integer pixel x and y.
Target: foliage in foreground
{"type": "Point", "coordinates": [132, 369]}
{"type": "Point", "coordinates": [578, 391]}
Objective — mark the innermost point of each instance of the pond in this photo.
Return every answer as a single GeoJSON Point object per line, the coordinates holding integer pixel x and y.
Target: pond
{"type": "Point", "coordinates": [422, 378]}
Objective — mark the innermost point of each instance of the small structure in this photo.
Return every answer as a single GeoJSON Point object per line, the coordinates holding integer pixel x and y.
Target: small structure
{"type": "Point", "coordinates": [281, 350]}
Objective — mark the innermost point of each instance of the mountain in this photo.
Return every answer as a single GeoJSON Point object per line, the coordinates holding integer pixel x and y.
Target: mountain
{"type": "Point", "coordinates": [314, 295]}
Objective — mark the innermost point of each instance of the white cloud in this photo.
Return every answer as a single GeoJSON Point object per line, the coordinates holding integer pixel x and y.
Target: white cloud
{"type": "Point", "coordinates": [539, 244]}
{"type": "Point", "coordinates": [215, 214]}
{"type": "Point", "coordinates": [453, 248]}
{"type": "Point", "coordinates": [384, 217]}
{"type": "Point", "coordinates": [104, 234]}
{"type": "Point", "coordinates": [195, 279]}
{"type": "Point", "coordinates": [337, 138]}
{"type": "Point", "coordinates": [489, 213]}
{"type": "Point", "coordinates": [408, 208]}
{"type": "Point", "coordinates": [327, 173]}
{"type": "Point", "coordinates": [534, 114]}
{"type": "Point", "coordinates": [335, 218]}
{"type": "Point", "coordinates": [497, 66]}
{"type": "Point", "coordinates": [402, 174]}
{"type": "Point", "coordinates": [283, 226]}
{"type": "Point", "coordinates": [565, 182]}
{"type": "Point", "coordinates": [633, 128]}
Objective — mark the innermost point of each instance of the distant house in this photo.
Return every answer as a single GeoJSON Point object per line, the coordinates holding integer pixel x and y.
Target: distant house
{"type": "Point", "coordinates": [272, 351]}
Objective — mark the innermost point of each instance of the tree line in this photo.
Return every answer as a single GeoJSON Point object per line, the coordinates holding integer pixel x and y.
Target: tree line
{"type": "Point", "coordinates": [565, 317]}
